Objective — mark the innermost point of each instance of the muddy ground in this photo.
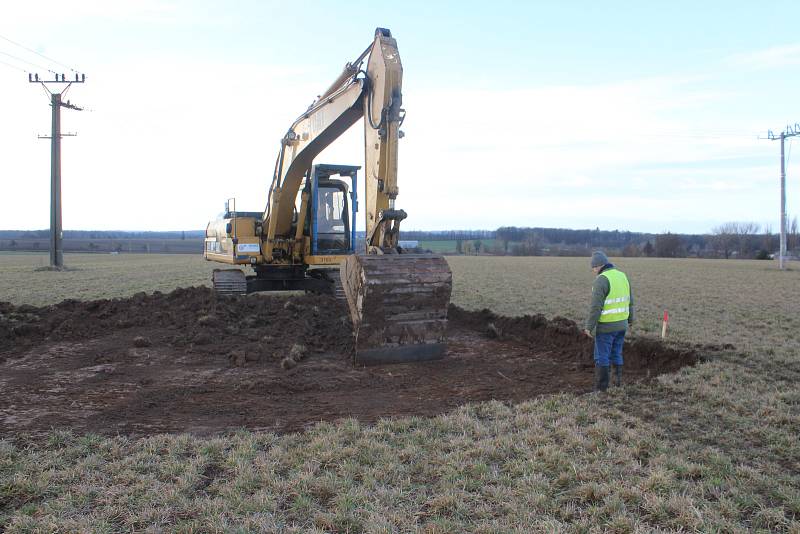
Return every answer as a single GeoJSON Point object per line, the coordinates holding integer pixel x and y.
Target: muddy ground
{"type": "Point", "coordinates": [190, 361]}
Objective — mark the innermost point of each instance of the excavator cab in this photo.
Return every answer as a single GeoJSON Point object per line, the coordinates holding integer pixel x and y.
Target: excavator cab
{"type": "Point", "coordinates": [333, 209]}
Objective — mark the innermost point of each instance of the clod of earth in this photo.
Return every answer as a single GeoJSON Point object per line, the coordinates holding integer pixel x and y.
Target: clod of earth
{"type": "Point", "coordinates": [298, 352]}
{"type": "Point", "coordinates": [493, 332]}
{"type": "Point", "coordinates": [269, 362]}
{"type": "Point", "coordinates": [141, 341]}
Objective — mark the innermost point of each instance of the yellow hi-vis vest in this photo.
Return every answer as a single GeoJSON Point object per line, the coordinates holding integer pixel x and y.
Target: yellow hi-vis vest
{"type": "Point", "coordinates": [618, 301]}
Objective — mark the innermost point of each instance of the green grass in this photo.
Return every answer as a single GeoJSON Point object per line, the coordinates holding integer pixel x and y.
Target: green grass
{"type": "Point", "coordinates": [438, 246]}
{"type": "Point", "coordinates": [713, 448]}
{"type": "Point", "coordinates": [450, 246]}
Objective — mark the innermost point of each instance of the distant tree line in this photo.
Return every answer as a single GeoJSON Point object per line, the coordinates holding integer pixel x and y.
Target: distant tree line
{"type": "Point", "coordinates": [746, 240]}
{"type": "Point", "coordinates": [728, 240]}
{"type": "Point", "coordinates": [446, 235]}
{"type": "Point", "coordinates": [102, 245]}
{"type": "Point", "coordinates": [608, 238]}
{"type": "Point", "coordinates": [102, 234]}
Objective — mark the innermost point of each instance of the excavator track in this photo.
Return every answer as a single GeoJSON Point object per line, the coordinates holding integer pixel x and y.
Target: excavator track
{"type": "Point", "coordinates": [338, 289]}
{"type": "Point", "coordinates": [398, 304]}
{"type": "Point", "coordinates": [229, 281]}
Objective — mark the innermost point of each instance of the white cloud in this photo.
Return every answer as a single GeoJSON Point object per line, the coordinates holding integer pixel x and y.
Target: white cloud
{"type": "Point", "coordinates": [167, 154]}
{"type": "Point", "coordinates": [149, 155]}
{"type": "Point", "coordinates": [171, 137]}
{"type": "Point", "coordinates": [548, 156]}
{"type": "Point", "coordinates": [54, 11]}
{"type": "Point", "coordinates": [768, 58]}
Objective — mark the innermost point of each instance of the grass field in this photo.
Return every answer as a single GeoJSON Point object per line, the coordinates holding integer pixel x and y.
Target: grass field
{"type": "Point", "coordinates": [712, 448]}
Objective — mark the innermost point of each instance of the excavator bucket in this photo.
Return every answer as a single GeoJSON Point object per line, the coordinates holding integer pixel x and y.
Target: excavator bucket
{"type": "Point", "coordinates": [398, 304]}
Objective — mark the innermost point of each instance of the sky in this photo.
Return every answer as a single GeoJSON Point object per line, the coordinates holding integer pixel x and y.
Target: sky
{"type": "Point", "coordinates": [640, 116]}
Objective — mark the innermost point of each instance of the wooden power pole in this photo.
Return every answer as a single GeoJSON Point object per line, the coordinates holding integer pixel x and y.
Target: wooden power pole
{"type": "Point", "coordinates": [56, 232]}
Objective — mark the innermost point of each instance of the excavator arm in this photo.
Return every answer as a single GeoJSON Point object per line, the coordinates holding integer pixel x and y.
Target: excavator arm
{"type": "Point", "coordinates": [398, 302]}
{"type": "Point", "coordinates": [383, 115]}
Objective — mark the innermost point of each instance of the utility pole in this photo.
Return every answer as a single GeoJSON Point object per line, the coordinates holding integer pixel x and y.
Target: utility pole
{"type": "Point", "coordinates": [56, 233]}
{"type": "Point", "coordinates": [790, 131]}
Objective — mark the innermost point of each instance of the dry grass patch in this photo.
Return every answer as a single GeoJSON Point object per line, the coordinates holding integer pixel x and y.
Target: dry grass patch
{"type": "Point", "coordinates": [711, 448]}
{"type": "Point", "coordinates": [96, 276]}
{"type": "Point", "coordinates": [482, 468]}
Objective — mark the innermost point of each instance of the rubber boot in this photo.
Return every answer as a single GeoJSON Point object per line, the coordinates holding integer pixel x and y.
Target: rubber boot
{"type": "Point", "coordinates": [617, 375]}
{"type": "Point", "coordinates": [601, 375]}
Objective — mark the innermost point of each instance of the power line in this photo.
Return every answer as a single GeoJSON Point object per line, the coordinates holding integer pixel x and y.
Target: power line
{"type": "Point", "coordinates": [13, 66]}
{"type": "Point", "coordinates": [38, 54]}
{"type": "Point", "coordinates": [26, 61]}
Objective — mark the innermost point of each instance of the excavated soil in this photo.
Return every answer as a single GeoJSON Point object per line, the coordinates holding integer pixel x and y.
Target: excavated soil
{"type": "Point", "coordinates": [190, 361]}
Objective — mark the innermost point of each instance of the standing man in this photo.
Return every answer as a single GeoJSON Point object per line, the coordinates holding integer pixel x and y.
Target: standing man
{"type": "Point", "coordinates": [610, 313]}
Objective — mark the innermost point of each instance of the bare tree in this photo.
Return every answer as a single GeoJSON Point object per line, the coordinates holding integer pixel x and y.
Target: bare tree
{"type": "Point", "coordinates": [767, 240]}
{"type": "Point", "coordinates": [740, 237]}
{"type": "Point", "coordinates": [745, 237]}
{"type": "Point", "coordinates": [792, 235]}
{"type": "Point", "coordinates": [669, 246]}
{"type": "Point", "coordinates": [631, 251]}
{"type": "Point", "coordinates": [724, 238]}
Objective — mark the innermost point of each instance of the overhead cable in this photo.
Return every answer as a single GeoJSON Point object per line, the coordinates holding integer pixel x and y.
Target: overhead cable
{"type": "Point", "coordinates": [37, 53]}
{"type": "Point", "coordinates": [15, 67]}
{"type": "Point", "coordinates": [28, 62]}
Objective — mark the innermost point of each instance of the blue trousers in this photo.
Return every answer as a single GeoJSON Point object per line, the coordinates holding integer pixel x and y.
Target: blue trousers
{"type": "Point", "coordinates": [608, 347]}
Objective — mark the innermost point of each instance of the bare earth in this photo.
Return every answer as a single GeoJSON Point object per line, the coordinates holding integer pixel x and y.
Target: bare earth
{"type": "Point", "coordinates": [189, 361]}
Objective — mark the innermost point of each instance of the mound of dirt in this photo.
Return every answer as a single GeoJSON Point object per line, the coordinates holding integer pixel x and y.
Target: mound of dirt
{"type": "Point", "coordinates": [252, 328]}
{"type": "Point", "coordinates": [567, 337]}
{"type": "Point", "coordinates": [192, 361]}
{"type": "Point", "coordinates": [535, 329]}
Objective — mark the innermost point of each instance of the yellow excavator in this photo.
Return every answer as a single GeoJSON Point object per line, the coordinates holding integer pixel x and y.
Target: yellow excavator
{"type": "Point", "coordinates": [306, 239]}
